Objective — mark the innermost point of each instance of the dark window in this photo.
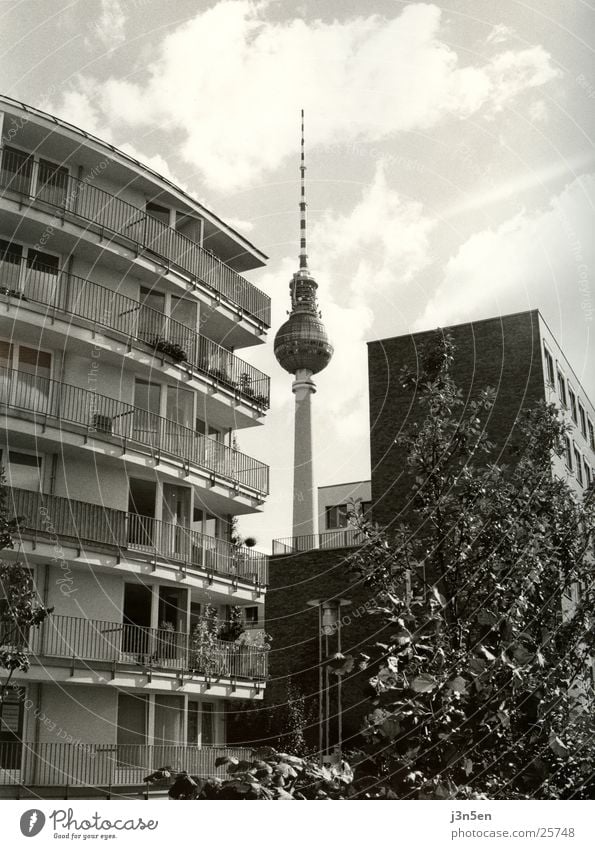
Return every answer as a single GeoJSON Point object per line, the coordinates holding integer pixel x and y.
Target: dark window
{"type": "Point", "coordinates": [43, 262]}
{"type": "Point", "coordinates": [562, 389]}
{"type": "Point", "coordinates": [568, 452]}
{"type": "Point", "coordinates": [251, 615]}
{"type": "Point", "coordinates": [337, 516]}
{"type": "Point", "coordinates": [572, 398]}
{"type": "Point", "coordinates": [578, 464]}
{"type": "Point", "coordinates": [582, 419]}
{"type": "Point", "coordinates": [591, 434]}
{"type": "Point", "coordinates": [52, 183]}
{"type": "Point", "coordinates": [17, 170]}
{"type": "Point", "coordinates": [207, 725]}
{"type": "Point", "coordinates": [549, 365]}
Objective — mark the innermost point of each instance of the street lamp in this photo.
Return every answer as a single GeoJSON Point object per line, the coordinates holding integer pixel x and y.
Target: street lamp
{"type": "Point", "coordinates": [329, 623]}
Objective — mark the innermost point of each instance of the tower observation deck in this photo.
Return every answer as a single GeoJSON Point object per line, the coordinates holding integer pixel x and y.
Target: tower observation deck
{"type": "Point", "coordinates": [302, 348]}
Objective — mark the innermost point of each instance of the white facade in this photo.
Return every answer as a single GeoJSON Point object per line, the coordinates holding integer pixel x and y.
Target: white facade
{"type": "Point", "coordinates": [122, 307]}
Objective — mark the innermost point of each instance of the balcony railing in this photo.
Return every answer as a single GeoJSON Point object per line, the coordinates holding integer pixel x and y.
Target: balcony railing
{"type": "Point", "coordinates": [341, 538]}
{"type": "Point", "coordinates": [75, 296]}
{"type": "Point", "coordinates": [95, 640]}
{"type": "Point", "coordinates": [107, 418]}
{"type": "Point", "coordinates": [103, 764]}
{"type": "Point", "coordinates": [49, 185]}
{"type": "Point", "coordinates": [42, 515]}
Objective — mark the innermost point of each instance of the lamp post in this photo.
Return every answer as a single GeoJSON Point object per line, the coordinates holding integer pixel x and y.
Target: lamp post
{"type": "Point", "coordinates": [329, 623]}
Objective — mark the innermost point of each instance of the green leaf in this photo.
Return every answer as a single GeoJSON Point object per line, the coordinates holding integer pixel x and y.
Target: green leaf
{"type": "Point", "coordinates": [424, 683]}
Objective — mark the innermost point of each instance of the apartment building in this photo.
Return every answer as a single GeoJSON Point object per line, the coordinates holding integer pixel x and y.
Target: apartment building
{"type": "Point", "coordinates": [122, 308]}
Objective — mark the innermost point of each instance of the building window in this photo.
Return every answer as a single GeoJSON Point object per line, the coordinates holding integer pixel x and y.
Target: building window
{"type": "Point", "coordinates": [572, 398]}
{"type": "Point", "coordinates": [549, 367]}
{"type": "Point", "coordinates": [562, 389]}
{"type": "Point", "coordinates": [568, 452]}
{"type": "Point", "coordinates": [251, 616]}
{"type": "Point", "coordinates": [579, 465]}
{"type": "Point", "coordinates": [582, 419]}
{"type": "Point", "coordinates": [591, 434]}
{"type": "Point", "coordinates": [23, 471]}
{"type": "Point", "coordinates": [201, 724]}
{"type": "Point", "coordinates": [587, 469]}
{"type": "Point", "coordinates": [337, 517]}
{"type": "Point", "coordinates": [17, 170]}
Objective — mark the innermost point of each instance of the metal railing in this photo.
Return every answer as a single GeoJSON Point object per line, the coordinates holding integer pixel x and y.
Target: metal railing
{"type": "Point", "coordinates": [95, 640]}
{"type": "Point", "coordinates": [107, 418]}
{"type": "Point", "coordinates": [104, 764]}
{"type": "Point", "coordinates": [76, 296]}
{"type": "Point", "coordinates": [51, 185]}
{"type": "Point", "coordinates": [42, 515]}
{"type": "Point", "coordinates": [341, 538]}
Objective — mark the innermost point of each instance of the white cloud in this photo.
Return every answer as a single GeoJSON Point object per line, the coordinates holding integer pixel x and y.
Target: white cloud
{"type": "Point", "coordinates": [360, 79]}
{"type": "Point", "coordinates": [543, 260]}
{"type": "Point", "coordinates": [499, 34]}
{"type": "Point", "coordinates": [538, 112]}
{"type": "Point", "coordinates": [109, 28]}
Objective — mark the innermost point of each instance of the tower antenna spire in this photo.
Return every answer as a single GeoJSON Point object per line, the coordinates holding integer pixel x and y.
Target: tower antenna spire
{"type": "Point", "coordinates": [303, 251]}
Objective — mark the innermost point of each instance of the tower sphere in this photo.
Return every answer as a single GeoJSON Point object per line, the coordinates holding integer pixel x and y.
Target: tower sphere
{"type": "Point", "coordinates": [302, 343]}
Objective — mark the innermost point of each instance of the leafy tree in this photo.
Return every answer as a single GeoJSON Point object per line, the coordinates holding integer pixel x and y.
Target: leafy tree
{"type": "Point", "coordinates": [234, 627]}
{"type": "Point", "coordinates": [20, 610]}
{"type": "Point", "coordinates": [484, 688]}
{"type": "Point", "coordinates": [206, 654]}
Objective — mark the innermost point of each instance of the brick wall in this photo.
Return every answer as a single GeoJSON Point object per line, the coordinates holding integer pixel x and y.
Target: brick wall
{"type": "Point", "coordinates": [293, 625]}
{"type": "Point", "coordinates": [504, 353]}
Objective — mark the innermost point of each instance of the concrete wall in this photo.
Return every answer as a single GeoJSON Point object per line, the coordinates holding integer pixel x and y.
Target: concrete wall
{"type": "Point", "coordinates": [88, 714]}
{"type": "Point", "coordinates": [342, 493]}
{"type": "Point", "coordinates": [83, 593]}
{"type": "Point", "coordinates": [90, 480]}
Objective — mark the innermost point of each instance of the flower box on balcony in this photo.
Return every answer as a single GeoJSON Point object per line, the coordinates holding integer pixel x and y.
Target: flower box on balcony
{"type": "Point", "coordinates": [171, 349]}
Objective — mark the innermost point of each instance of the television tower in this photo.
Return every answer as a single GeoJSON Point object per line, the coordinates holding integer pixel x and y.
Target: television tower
{"type": "Point", "coordinates": [302, 348]}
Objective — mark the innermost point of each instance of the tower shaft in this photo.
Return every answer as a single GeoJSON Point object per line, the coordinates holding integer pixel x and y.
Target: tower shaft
{"type": "Point", "coordinates": [302, 348]}
{"type": "Point", "coordinates": [304, 508]}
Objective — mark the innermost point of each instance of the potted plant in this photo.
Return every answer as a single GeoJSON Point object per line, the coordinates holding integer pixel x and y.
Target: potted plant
{"type": "Point", "coordinates": [171, 349]}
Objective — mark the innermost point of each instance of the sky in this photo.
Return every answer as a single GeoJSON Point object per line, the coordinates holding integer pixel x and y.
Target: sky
{"type": "Point", "coordinates": [451, 169]}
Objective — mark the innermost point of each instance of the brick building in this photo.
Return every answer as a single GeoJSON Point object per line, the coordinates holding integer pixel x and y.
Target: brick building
{"type": "Point", "coordinates": [519, 357]}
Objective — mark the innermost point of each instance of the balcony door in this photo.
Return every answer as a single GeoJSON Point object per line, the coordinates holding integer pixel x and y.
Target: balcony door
{"type": "Point", "coordinates": [147, 404]}
{"type": "Point", "coordinates": [52, 183]}
{"type": "Point", "coordinates": [170, 642]}
{"type": "Point", "coordinates": [201, 730]}
{"type": "Point", "coordinates": [176, 518]}
{"type": "Point", "coordinates": [136, 619]}
{"type": "Point", "coordinates": [141, 510]}
{"type": "Point", "coordinates": [151, 316]}
{"type": "Point", "coordinates": [41, 277]}
{"type": "Point", "coordinates": [132, 732]}
{"type": "Point", "coordinates": [169, 722]}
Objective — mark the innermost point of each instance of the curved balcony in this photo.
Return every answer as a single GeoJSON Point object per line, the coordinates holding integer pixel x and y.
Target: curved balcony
{"type": "Point", "coordinates": [76, 296]}
{"type": "Point", "coordinates": [101, 417]}
{"type": "Point", "coordinates": [105, 765]}
{"type": "Point", "coordinates": [97, 640]}
{"type": "Point", "coordinates": [49, 186]}
{"type": "Point", "coordinates": [44, 516]}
